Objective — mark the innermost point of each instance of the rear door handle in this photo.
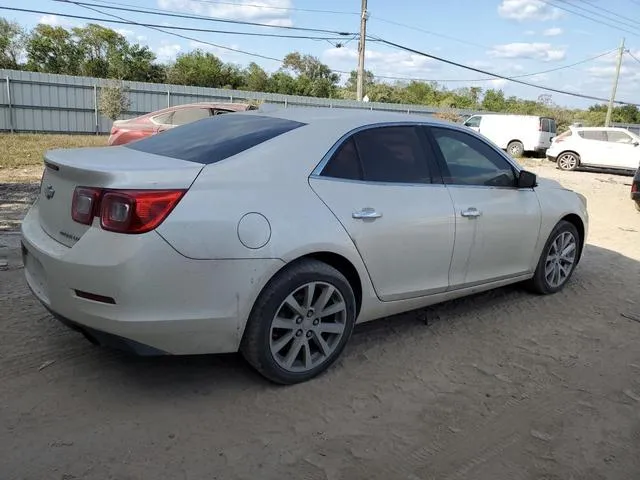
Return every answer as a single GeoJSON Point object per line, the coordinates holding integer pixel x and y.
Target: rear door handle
{"type": "Point", "coordinates": [471, 213]}
{"type": "Point", "coordinates": [366, 213]}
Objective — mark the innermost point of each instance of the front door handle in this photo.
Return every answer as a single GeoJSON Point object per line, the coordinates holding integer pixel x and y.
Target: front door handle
{"type": "Point", "coordinates": [471, 213]}
{"type": "Point", "coordinates": [366, 213]}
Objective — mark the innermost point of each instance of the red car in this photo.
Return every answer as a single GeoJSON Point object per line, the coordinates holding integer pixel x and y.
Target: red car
{"type": "Point", "coordinates": [125, 131]}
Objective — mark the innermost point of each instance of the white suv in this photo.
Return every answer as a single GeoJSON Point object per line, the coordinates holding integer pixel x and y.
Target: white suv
{"type": "Point", "coordinates": [615, 148]}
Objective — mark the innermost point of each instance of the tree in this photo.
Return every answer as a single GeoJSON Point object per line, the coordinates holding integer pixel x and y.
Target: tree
{"type": "Point", "coordinates": [136, 63]}
{"type": "Point", "coordinates": [102, 50]}
{"type": "Point", "coordinates": [281, 82]}
{"type": "Point", "coordinates": [204, 69]}
{"type": "Point", "coordinates": [114, 101]}
{"type": "Point", "coordinates": [12, 43]}
{"type": "Point", "coordinates": [314, 78]}
{"type": "Point", "coordinates": [368, 81]}
{"type": "Point", "coordinates": [255, 78]}
{"type": "Point", "coordinates": [494, 101]}
{"type": "Point", "coordinates": [53, 50]}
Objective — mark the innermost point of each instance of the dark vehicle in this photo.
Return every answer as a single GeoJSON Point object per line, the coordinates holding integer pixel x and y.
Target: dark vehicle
{"type": "Point", "coordinates": [125, 131]}
{"type": "Point", "coordinates": [635, 189]}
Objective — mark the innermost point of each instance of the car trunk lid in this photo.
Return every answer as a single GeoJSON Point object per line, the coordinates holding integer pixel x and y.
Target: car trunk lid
{"type": "Point", "coordinates": [105, 168]}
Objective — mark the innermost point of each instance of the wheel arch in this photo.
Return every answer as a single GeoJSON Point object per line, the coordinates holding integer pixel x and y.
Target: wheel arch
{"type": "Point", "coordinates": [577, 222]}
{"type": "Point", "coordinates": [573, 152]}
{"type": "Point", "coordinates": [343, 265]}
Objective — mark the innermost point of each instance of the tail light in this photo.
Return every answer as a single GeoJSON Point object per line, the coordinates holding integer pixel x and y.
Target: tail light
{"type": "Point", "coordinates": [124, 211]}
{"type": "Point", "coordinates": [634, 187]}
{"type": "Point", "coordinates": [84, 205]}
{"type": "Point", "coordinates": [136, 211]}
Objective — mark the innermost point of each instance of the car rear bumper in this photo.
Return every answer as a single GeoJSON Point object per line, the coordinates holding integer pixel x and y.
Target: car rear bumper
{"type": "Point", "coordinates": [136, 291]}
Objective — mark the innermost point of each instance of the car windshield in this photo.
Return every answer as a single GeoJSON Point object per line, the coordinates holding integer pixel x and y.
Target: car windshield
{"type": "Point", "coordinates": [215, 138]}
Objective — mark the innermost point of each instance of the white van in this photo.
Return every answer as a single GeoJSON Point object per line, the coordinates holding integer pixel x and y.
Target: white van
{"type": "Point", "coordinates": [515, 133]}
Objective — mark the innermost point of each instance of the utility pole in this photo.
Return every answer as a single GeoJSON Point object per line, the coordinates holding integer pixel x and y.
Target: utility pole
{"type": "Point", "coordinates": [363, 34]}
{"type": "Point", "coordinates": [615, 85]}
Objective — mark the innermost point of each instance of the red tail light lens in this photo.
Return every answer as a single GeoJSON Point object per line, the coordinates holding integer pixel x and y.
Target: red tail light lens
{"type": "Point", "coordinates": [136, 211]}
{"type": "Point", "coordinates": [634, 187]}
{"type": "Point", "coordinates": [124, 211]}
{"type": "Point", "coordinates": [84, 204]}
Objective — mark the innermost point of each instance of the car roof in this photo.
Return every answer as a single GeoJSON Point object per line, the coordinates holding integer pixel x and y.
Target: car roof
{"type": "Point", "coordinates": [344, 118]}
{"type": "Point", "coordinates": [618, 129]}
{"type": "Point", "coordinates": [237, 107]}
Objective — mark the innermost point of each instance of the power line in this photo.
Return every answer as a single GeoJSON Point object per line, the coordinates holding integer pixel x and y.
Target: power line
{"type": "Point", "coordinates": [186, 37]}
{"type": "Point", "coordinates": [632, 56]}
{"type": "Point", "coordinates": [596, 20]}
{"type": "Point", "coordinates": [169, 27]}
{"type": "Point", "coordinates": [597, 7]}
{"type": "Point", "coordinates": [201, 17]}
{"type": "Point", "coordinates": [624, 21]}
{"type": "Point", "coordinates": [525, 75]}
{"type": "Point", "coordinates": [435, 34]}
{"type": "Point", "coordinates": [122, 20]}
{"type": "Point", "coordinates": [270, 7]}
{"type": "Point", "coordinates": [496, 75]}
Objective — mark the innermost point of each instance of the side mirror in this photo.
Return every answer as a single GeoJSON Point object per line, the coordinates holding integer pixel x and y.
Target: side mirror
{"type": "Point", "coordinates": [635, 144]}
{"type": "Point", "coordinates": [527, 179]}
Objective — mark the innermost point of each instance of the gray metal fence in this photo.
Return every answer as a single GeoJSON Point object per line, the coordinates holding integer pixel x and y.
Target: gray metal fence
{"type": "Point", "coordinates": [42, 102]}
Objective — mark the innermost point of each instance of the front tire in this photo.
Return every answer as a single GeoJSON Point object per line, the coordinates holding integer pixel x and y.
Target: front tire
{"type": "Point", "coordinates": [300, 323]}
{"type": "Point", "coordinates": [568, 161]}
{"type": "Point", "coordinates": [515, 149]}
{"type": "Point", "coordinates": [558, 260]}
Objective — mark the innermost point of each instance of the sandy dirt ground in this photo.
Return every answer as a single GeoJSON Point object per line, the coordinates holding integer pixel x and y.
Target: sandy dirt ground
{"type": "Point", "coordinates": [503, 385]}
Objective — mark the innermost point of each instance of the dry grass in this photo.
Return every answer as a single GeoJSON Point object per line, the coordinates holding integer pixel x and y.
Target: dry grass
{"type": "Point", "coordinates": [26, 150]}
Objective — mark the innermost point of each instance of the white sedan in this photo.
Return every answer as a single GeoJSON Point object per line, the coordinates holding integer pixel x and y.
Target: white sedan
{"type": "Point", "coordinates": [275, 233]}
{"type": "Point", "coordinates": [596, 147]}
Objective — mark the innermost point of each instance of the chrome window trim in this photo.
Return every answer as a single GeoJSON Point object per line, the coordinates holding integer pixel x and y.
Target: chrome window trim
{"type": "Point", "coordinates": [317, 171]}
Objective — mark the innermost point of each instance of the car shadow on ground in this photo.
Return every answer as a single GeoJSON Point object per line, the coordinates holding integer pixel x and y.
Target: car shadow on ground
{"type": "Point", "coordinates": [172, 376]}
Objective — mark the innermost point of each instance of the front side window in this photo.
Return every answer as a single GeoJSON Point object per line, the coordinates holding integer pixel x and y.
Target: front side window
{"type": "Point", "coordinates": [188, 115]}
{"type": "Point", "coordinates": [473, 122]}
{"type": "Point", "coordinates": [618, 137]}
{"type": "Point", "coordinates": [383, 154]}
{"type": "Point", "coordinates": [470, 161]}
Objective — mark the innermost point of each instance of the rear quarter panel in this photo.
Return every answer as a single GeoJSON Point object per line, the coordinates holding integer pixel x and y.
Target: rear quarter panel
{"type": "Point", "coordinates": [273, 181]}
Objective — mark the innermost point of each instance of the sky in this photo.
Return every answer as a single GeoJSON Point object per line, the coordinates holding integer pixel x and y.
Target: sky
{"type": "Point", "coordinates": [509, 37]}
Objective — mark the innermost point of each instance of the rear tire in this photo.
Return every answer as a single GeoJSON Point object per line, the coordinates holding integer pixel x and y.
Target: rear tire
{"type": "Point", "coordinates": [515, 149]}
{"type": "Point", "coordinates": [568, 161]}
{"type": "Point", "coordinates": [287, 338]}
{"type": "Point", "coordinates": [558, 259]}
{"type": "Point", "coordinates": [637, 202]}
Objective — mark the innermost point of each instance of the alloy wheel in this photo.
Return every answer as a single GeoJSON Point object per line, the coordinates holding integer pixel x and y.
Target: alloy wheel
{"type": "Point", "coordinates": [560, 259]}
{"type": "Point", "coordinates": [307, 327]}
{"type": "Point", "coordinates": [568, 161]}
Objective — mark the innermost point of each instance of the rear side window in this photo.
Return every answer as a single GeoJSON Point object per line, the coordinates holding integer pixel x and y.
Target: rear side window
{"type": "Point", "coordinates": [162, 119]}
{"type": "Point", "coordinates": [548, 125]}
{"type": "Point", "coordinates": [382, 154]}
{"type": "Point", "coordinates": [599, 135]}
{"type": "Point", "coordinates": [215, 138]}
{"type": "Point", "coordinates": [188, 115]}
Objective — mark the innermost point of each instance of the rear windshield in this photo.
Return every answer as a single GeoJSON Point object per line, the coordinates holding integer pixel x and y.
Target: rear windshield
{"type": "Point", "coordinates": [215, 138]}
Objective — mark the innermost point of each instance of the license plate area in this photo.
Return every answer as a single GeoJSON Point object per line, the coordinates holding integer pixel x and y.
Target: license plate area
{"type": "Point", "coordinates": [35, 274]}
